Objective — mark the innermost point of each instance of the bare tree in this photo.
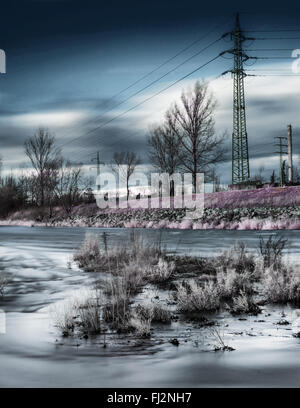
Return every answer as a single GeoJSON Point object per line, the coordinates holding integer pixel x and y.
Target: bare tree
{"type": "Point", "coordinates": [67, 189]}
{"type": "Point", "coordinates": [43, 155]}
{"type": "Point", "coordinates": [259, 176]}
{"type": "Point", "coordinates": [164, 148]}
{"type": "Point", "coordinates": [124, 164]}
{"type": "Point", "coordinates": [52, 178]}
{"type": "Point", "coordinates": [164, 144]}
{"type": "Point", "coordinates": [215, 178]}
{"type": "Point", "coordinates": [200, 148]}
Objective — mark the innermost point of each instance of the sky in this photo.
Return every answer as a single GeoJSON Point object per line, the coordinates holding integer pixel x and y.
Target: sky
{"type": "Point", "coordinates": [88, 72]}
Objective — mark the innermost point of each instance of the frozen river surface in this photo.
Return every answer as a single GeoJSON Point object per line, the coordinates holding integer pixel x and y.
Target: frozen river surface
{"type": "Point", "coordinates": [32, 353]}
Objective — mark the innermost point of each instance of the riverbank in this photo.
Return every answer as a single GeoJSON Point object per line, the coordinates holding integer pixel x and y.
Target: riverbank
{"type": "Point", "coordinates": [256, 218]}
{"type": "Point", "coordinates": [260, 209]}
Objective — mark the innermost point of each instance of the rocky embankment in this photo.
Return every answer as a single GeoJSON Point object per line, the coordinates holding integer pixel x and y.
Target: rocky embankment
{"type": "Point", "coordinates": [268, 208]}
{"type": "Point", "coordinates": [266, 218]}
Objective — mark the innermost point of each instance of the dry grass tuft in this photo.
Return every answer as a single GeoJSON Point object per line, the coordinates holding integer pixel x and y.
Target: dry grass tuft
{"type": "Point", "coordinates": [236, 258]}
{"type": "Point", "coordinates": [244, 304]}
{"type": "Point", "coordinates": [193, 297]}
{"type": "Point", "coordinates": [161, 272]}
{"type": "Point", "coordinates": [230, 283]}
{"type": "Point", "coordinates": [88, 256]}
{"type": "Point", "coordinates": [157, 313]}
{"type": "Point", "coordinates": [116, 310]}
{"type": "Point", "coordinates": [161, 315]}
{"type": "Point", "coordinates": [3, 282]}
{"type": "Point", "coordinates": [281, 285]}
{"type": "Point", "coordinates": [80, 312]}
{"type": "Point", "coordinates": [141, 322]}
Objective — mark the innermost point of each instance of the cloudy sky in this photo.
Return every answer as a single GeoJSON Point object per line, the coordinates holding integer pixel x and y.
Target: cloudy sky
{"type": "Point", "coordinates": [78, 67]}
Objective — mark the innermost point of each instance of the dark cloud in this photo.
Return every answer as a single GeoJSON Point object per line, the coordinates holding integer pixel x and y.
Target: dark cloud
{"type": "Point", "coordinates": [75, 102]}
{"type": "Point", "coordinates": [13, 136]}
{"type": "Point", "coordinates": [15, 106]}
{"type": "Point", "coordinates": [268, 105]}
{"type": "Point", "coordinates": [107, 141]}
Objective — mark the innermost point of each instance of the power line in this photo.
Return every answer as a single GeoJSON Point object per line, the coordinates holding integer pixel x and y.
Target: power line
{"type": "Point", "coordinates": [118, 116]}
{"type": "Point", "coordinates": [270, 31]}
{"type": "Point", "coordinates": [146, 87]}
{"type": "Point", "coordinates": [266, 69]}
{"type": "Point", "coordinates": [269, 49]}
{"type": "Point", "coordinates": [263, 75]}
{"type": "Point", "coordinates": [151, 72]}
{"type": "Point", "coordinates": [277, 38]}
{"type": "Point", "coordinates": [132, 134]}
{"type": "Point", "coordinates": [154, 95]}
{"type": "Point", "coordinates": [166, 62]}
{"type": "Point", "coordinates": [101, 125]}
{"type": "Point", "coordinates": [275, 57]}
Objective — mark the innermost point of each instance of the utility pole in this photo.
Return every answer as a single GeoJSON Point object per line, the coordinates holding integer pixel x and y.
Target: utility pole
{"type": "Point", "coordinates": [240, 154]}
{"type": "Point", "coordinates": [97, 159]}
{"type": "Point", "coordinates": [281, 145]}
{"type": "Point", "coordinates": [290, 154]}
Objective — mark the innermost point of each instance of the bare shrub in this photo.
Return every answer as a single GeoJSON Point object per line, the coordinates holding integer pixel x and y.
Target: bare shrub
{"type": "Point", "coordinates": [192, 297]}
{"type": "Point", "coordinates": [142, 316]}
{"type": "Point", "coordinates": [259, 268]}
{"type": "Point", "coordinates": [88, 256]}
{"type": "Point", "coordinates": [131, 268]}
{"type": "Point", "coordinates": [236, 258]}
{"type": "Point", "coordinates": [275, 286]}
{"type": "Point", "coordinates": [230, 283]}
{"type": "Point", "coordinates": [139, 264]}
{"type": "Point", "coordinates": [3, 282]}
{"type": "Point", "coordinates": [161, 315]}
{"type": "Point", "coordinates": [89, 315]}
{"type": "Point", "coordinates": [105, 241]}
{"type": "Point", "coordinates": [219, 338]}
{"type": "Point", "coordinates": [135, 275]}
{"type": "Point", "coordinates": [135, 251]}
{"type": "Point", "coordinates": [244, 304]}
{"type": "Point", "coordinates": [162, 271]}
{"type": "Point", "coordinates": [141, 323]}
{"type": "Point", "coordinates": [157, 313]}
{"type": "Point", "coordinates": [81, 312]}
{"type": "Point", "coordinates": [116, 310]}
{"type": "Point", "coordinates": [136, 248]}
{"type": "Point", "coordinates": [271, 250]}
{"type": "Point", "coordinates": [294, 289]}
{"type": "Point", "coordinates": [281, 286]}
{"type": "Point", "coordinates": [64, 315]}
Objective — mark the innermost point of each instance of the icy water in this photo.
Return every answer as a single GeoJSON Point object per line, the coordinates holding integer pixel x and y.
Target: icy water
{"type": "Point", "coordinates": [33, 355]}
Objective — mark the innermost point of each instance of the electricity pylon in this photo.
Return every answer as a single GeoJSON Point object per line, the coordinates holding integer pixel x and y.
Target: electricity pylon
{"type": "Point", "coordinates": [240, 155]}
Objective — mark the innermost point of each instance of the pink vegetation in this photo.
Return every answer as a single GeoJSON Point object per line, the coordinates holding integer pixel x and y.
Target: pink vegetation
{"type": "Point", "coordinates": [261, 197]}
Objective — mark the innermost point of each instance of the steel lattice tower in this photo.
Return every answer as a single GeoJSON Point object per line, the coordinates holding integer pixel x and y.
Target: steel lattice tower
{"type": "Point", "coordinates": [240, 155]}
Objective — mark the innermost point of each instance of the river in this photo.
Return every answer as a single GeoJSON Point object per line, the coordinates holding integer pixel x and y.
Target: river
{"type": "Point", "coordinates": [32, 354]}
